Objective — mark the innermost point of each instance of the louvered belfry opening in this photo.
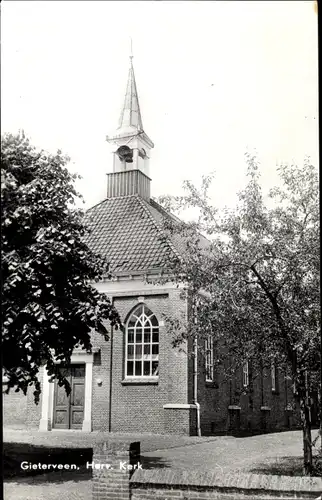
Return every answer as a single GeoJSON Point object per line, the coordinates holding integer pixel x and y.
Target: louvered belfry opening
{"type": "Point", "coordinates": [128, 183]}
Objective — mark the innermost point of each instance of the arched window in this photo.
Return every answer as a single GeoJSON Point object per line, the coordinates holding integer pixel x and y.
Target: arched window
{"type": "Point", "coordinates": [142, 344]}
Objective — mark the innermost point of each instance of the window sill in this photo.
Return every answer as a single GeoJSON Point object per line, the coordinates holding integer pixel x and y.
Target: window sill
{"type": "Point", "coordinates": [140, 381]}
{"type": "Point", "coordinates": [210, 383]}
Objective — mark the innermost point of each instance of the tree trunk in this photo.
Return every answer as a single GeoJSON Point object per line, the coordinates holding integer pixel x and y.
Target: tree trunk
{"type": "Point", "coordinates": [307, 436]}
{"type": "Point", "coordinates": [320, 414]}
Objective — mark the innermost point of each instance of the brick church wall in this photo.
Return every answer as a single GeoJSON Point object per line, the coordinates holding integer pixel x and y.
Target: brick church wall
{"type": "Point", "coordinates": [261, 409]}
{"type": "Point", "coordinates": [216, 397]}
{"type": "Point", "coordinates": [139, 406]}
{"type": "Point", "coordinates": [135, 406]}
{"type": "Point", "coordinates": [19, 411]}
{"type": "Point", "coordinates": [14, 411]}
{"type": "Point", "coordinates": [213, 398]}
{"type": "Point", "coordinates": [101, 372]}
{"type": "Point", "coordinates": [33, 410]}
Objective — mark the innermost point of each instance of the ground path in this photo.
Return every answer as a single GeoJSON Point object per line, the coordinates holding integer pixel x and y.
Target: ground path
{"type": "Point", "coordinates": [270, 453]}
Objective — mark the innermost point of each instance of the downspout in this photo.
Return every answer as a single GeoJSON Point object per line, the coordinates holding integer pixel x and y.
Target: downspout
{"type": "Point", "coordinates": [195, 375]}
{"type": "Point", "coordinates": [263, 416]}
{"type": "Point", "coordinates": [111, 381]}
{"type": "Point", "coordinates": [195, 382]}
{"type": "Point", "coordinates": [286, 400]}
{"type": "Point", "coordinates": [262, 383]}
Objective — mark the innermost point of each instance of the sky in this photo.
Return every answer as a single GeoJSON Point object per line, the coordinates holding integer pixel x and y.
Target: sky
{"type": "Point", "coordinates": [214, 79]}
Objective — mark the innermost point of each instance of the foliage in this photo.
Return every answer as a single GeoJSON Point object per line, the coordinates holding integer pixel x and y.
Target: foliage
{"type": "Point", "coordinates": [255, 283]}
{"type": "Point", "coordinates": [49, 305]}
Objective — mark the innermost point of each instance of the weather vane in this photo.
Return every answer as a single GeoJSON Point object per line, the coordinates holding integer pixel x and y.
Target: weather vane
{"type": "Point", "coordinates": [131, 48]}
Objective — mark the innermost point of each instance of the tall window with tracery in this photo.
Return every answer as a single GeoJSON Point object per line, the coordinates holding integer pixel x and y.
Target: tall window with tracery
{"type": "Point", "coordinates": [209, 350]}
{"type": "Point", "coordinates": [142, 344]}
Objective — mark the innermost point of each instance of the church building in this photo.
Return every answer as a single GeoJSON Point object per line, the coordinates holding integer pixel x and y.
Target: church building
{"type": "Point", "coordinates": [137, 381]}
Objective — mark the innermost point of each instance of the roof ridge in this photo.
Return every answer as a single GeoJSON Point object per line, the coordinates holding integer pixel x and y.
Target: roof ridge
{"type": "Point", "coordinates": [156, 225]}
{"type": "Point", "coordinates": [112, 198]}
{"type": "Point", "coordinates": [159, 207]}
{"type": "Point", "coordinates": [175, 217]}
{"type": "Point", "coordinates": [96, 205]}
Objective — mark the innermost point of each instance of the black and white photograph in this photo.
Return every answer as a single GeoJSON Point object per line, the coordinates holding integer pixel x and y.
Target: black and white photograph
{"type": "Point", "coordinates": [160, 250]}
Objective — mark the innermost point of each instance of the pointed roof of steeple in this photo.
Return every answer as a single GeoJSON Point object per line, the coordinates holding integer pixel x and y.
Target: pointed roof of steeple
{"type": "Point", "coordinates": [131, 114]}
{"type": "Point", "coordinates": [130, 122]}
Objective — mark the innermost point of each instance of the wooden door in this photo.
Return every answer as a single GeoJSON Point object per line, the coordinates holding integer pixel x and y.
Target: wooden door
{"type": "Point", "coordinates": [77, 398]}
{"type": "Point", "coordinates": [69, 410]}
{"type": "Point", "coordinates": [62, 402]}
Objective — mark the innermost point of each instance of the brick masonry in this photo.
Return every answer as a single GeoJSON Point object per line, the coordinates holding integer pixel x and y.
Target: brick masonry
{"type": "Point", "coordinates": [113, 466]}
{"type": "Point", "coordinates": [163, 484]}
{"type": "Point", "coordinates": [20, 411]}
{"type": "Point", "coordinates": [260, 408]}
{"type": "Point", "coordinates": [121, 406]}
{"type": "Point", "coordinates": [14, 409]}
{"type": "Point", "coordinates": [33, 410]}
{"type": "Point", "coordinates": [128, 406]}
{"type": "Point", "coordinates": [128, 481]}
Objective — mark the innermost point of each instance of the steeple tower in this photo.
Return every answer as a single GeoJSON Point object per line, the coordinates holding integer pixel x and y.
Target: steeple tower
{"type": "Point", "coordinates": [133, 145]}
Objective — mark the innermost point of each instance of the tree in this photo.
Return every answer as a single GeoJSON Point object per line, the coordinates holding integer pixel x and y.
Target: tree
{"type": "Point", "coordinates": [258, 277]}
{"type": "Point", "coordinates": [49, 305]}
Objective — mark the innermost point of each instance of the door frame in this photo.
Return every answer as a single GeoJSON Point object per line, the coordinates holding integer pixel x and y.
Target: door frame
{"type": "Point", "coordinates": [48, 388]}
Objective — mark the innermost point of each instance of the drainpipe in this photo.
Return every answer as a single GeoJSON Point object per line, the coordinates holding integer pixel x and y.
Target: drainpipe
{"type": "Point", "coordinates": [195, 382]}
{"type": "Point", "coordinates": [262, 383]}
{"type": "Point", "coordinates": [286, 400]}
{"type": "Point", "coordinates": [111, 379]}
{"type": "Point", "coordinates": [195, 375]}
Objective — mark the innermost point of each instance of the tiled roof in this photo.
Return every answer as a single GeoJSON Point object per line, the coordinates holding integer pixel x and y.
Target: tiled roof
{"type": "Point", "coordinates": [178, 240]}
{"type": "Point", "coordinates": [124, 231]}
{"type": "Point", "coordinates": [127, 232]}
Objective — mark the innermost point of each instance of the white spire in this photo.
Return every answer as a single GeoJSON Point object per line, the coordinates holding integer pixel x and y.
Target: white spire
{"type": "Point", "coordinates": [131, 114]}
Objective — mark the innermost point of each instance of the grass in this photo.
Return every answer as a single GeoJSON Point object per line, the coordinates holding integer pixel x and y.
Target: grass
{"type": "Point", "coordinates": [287, 466]}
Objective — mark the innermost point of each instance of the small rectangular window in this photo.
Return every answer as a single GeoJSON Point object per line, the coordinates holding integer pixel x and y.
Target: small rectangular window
{"type": "Point", "coordinates": [273, 376]}
{"type": "Point", "coordinates": [130, 352]}
{"type": "Point", "coordinates": [146, 369]}
{"type": "Point", "coordinates": [209, 358]}
{"type": "Point", "coordinates": [246, 374]}
{"type": "Point", "coordinates": [138, 369]}
{"type": "Point", "coordinates": [155, 368]}
{"type": "Point", "coordinates": [130, 368]}
{"type": "Point", "coordinates": [138, 336]}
